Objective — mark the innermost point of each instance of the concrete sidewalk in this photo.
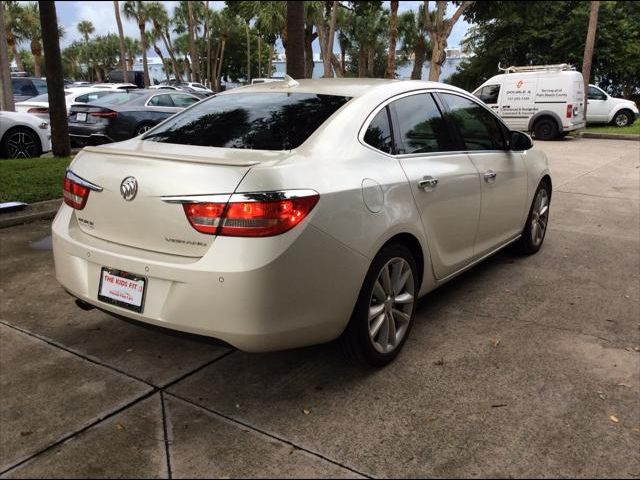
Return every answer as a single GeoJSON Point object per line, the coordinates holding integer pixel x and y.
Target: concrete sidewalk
{"type": "Point", "coordinates": [522, 367]}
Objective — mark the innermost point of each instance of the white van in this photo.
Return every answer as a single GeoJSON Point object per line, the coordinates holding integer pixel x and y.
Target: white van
{"type": "Point", "coordinates": [547, 100]}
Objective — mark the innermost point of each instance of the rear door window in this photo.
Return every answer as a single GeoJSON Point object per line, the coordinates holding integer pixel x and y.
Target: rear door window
{"type": "Point", "coordinates": [183, 101]}
{"type": "Point", "coordinates": [379, 134]}
{"type": "Point", "coordinates": [421, 125]}
{"type": "Point", "coordinates": [257, 121]}
{"type": "Point", "coordinates": [479, 128]}
{"type": "Point", "coordinates": [24, 87]}
{"type": "Point", "coordinates": [40, 85]}
{"type": "Point", "coordinates": [161, 101]}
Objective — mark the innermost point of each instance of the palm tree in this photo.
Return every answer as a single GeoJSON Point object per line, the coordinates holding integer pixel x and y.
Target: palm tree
{"type": "Point", "coordinates": [343, 24]}
{"type": "Point", "coordinates": [13, 20]}
{"type": "Point", "coordinates": [295, 39]}
{"type": "Point", "coordinates": [55, 80]}
{"type": "Point", "coordinates": [123, 61]}
{"type": "Point", "coordinates": [393, 38]}
{"type": "Point", "coordinates": [195, 72]}
{"type": "Point", "coordinates": [152, 38]}
{"type": "Point", "coordinates": [31, 26]}
{"type": "Point", "coordinates": [132, 46]}
{"type": "Point", "coordinates": [6, 98]}
{"type": "Point", "coordinates": [414, 38]}
{"type": "Point", "coordinates": [270, 22]}
{"type": "Point", "coordinates": [86, 28]}
{"type": "Point", "coordinates": [137, 10]}
{"type": "Point", "coordinates": [161, 24]}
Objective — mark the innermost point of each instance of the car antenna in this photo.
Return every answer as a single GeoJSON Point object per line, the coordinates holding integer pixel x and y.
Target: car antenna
{"type": "Point", "coordinates": [290, 81]}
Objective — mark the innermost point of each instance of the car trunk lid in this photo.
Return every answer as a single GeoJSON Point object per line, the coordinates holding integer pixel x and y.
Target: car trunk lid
{"type": "Point", "coordinates": [147, 221]}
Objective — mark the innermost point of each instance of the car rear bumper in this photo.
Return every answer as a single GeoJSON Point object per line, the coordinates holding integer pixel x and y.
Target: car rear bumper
{"type": "Point", "coordinates": [89, 134]}
{"type": "Point", "coordinates": [301, 292]}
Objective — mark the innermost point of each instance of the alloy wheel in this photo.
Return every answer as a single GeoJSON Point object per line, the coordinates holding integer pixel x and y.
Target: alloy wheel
{"type": "Point", "coordinates": [539, 217]}
{"type": "Point", "coordinates": [391, 305]}
{"type": "Point", "coordinates": [621, 120]}
{"type": "Point", "coordinates": [21, 145]}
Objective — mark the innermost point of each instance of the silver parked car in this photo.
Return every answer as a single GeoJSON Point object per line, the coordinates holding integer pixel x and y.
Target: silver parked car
{"type": "Point", "coordinates": [293, 213]}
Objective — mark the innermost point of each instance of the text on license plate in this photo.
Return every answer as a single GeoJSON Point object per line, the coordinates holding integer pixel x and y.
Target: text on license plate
{"type": "Point", "coordinates": [122, 289]}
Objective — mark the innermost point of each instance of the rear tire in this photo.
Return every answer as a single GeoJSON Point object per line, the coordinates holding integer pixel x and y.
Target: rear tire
{"type": "Point", "coordinates": [545, 129]}
{"type": "Point", "coordinates": [143, 128]}
{"type": "Point", "coordinates": [385, 309]}
{"type": "Point", "coordinates": [623, 118]}
{"type": "Point", "coordinates": [20, 142]}
{"type": "Point", "coordinates": [535, 229]}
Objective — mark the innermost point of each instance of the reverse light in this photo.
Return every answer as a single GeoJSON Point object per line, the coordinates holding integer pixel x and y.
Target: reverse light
{"type": "Point", "coordinates": [75, 190]}
{"type": "Point", "coordinates": [252, 215]}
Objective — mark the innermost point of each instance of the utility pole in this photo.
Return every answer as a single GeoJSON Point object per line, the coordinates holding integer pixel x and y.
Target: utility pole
{"type": "Point", "coordinates": [6, 99]}
{"type": "Point", "coordinates": [588, 51]}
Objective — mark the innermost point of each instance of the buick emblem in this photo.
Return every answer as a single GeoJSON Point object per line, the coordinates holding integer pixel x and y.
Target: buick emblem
{"type": "Point", "coordinates": [129, 188]}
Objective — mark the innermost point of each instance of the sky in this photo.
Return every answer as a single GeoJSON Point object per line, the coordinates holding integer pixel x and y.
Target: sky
{"type": "Point", "coordinates": [101, 14]}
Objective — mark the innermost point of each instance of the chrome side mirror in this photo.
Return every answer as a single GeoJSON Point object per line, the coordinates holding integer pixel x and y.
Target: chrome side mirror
{"type": "Point", "coordinates": [519, 141]}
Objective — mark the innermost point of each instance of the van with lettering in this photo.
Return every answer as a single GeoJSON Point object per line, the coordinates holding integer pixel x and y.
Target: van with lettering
{"type": "Point", "coordinates": [547, 100]}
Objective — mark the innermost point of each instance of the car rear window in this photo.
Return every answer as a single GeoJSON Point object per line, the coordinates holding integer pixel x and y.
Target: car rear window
{"type": "Point", "coordinates": [118, 98]}
{"type": "Point", "coordinates": [256, 121]}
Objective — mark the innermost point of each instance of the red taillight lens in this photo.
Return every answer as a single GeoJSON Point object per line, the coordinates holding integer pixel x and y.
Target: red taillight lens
{"type": "Point", "coordinates": [38, 110]}
{"type": "Point", "coordinates": [104, 114]}
{"type": "Point", "coordinates": [250, 218]}
{"type": "Point", "coordinates": [569, 110]}
{"type": "Point", "coordinates": [74, 194]}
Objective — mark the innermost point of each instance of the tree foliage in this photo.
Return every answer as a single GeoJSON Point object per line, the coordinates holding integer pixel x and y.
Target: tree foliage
{"type": "Point", "coordinates": [550, 32]}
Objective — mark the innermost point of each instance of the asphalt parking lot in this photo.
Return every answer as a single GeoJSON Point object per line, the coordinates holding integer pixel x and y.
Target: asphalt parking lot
{"type": "Point", "coordinates": [521, 367]}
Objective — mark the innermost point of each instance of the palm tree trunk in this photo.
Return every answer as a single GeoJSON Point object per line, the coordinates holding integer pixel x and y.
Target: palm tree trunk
{"type": "Point", "coordinates": [207, 38]}
{"type": "Point", "coordinates": [220, 63]}
{"type": "Point", "coordinates": [36, 51]}
{"type": "Point", "coordinates": [11, 42]}
{"type": "Point", "coordinates": [362, 63]}
{"type": "Point", "coordinates": [55, 80]}
{"type": "Point", "coordinates": [246, 25]}
{"type": "Point", "coordinates": [418, 61]}
{"type": "Point", "coordinates": [337, 66]}
{"type": "Point", "coordinates": [159, 53]}
{"type": "Point", "coordinates": [393, 38]}
{"type": "Point", "coordinates": [143, 43]}
{"type": "Point", "coordinates": [270, 70]}
{"type": "Point", "coordinates": [588, 49]}
{"type": "Point", "coordinates": [295, 39]}
{"type": "Point", "coordinates": [166, 39]}
{"type": "Point", "coordinates": [371, 62]}
{"type": "Point", "coordinates": [123, 61]}
{"type": "Point", "coordinates": [308, 51]}
{"type": "Point", "coordinates": [332, 34]}
{"type": "Point", "coordinates": [259, 56]}
{"type": "Point", "coordinates": [6, 101]}
{"type": "Point", "coordinates": [343, 62]}
{"type": "Point", "coordinates": [195, 63]}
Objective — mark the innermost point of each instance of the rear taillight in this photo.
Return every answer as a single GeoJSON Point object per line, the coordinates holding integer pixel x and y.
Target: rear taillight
{"type": "Point", "coordinates": [252, 215]}
{"type": "Point", "coordinates": [569, 110]}
{"type": "Point", "coordinates": [104, 114]}
{"type": "Point", "coordinates": [38, 110]}
{"type": "Point", "coordinates": [75, 190]}
{"type": "Point", "coordinates": [75, 195]}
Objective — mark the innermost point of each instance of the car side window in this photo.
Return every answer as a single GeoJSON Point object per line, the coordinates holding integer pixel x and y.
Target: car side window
{"type": "Point", "coordinates": [489, 94]}
{"type": "Point", "coordinates": [183, 101]}
{"type": "Point", "coordinates": [21, 86]}
{"type": "Point", "coordinates": [479, 128]}
{"type": "Point", "coordinates": [379, 134]}
{"type": "Point", "coordinates": [596, 94]}
{"type": "Point", "coordinates": [421, 125]}
{"type": "Point", "coordinates": [161, 101]}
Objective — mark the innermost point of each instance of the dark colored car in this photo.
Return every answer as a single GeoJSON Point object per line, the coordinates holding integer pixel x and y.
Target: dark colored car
{"type": "Point", "coordinates": [124, 115]}
{"type": "Point", "coordinates": [25, 88]}
{"type": "Point", "coordinates": [133, 76]}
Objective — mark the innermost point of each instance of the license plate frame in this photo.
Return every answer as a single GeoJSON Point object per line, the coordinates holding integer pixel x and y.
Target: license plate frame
{"type": "Point", "coordinates": [129, 305]}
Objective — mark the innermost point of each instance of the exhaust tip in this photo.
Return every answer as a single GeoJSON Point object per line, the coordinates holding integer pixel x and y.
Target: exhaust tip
{"type": "Point", "coordinates": [84, 305]}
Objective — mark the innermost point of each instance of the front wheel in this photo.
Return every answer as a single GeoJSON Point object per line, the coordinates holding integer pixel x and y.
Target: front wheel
{"type": "Point", "coordinates": [384, 312]}
{"type": "Point", "coordinates": [537, 222]}
{"type": "Point", "coordinates": [623, 118]}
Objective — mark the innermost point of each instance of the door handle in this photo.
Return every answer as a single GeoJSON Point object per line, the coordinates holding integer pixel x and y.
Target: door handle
{"type": "Point", "coordinates": [490, 176]}
{"type": "Point", "coordinates": [427, 182]}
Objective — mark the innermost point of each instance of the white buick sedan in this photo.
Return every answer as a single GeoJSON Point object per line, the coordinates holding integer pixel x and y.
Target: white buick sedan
{"type": "Point", "coordinates": [294, 213]}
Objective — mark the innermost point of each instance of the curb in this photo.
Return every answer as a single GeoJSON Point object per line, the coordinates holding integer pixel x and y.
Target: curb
{"type": "Point", "coordinates": [35, 211]}
{"type": "Point", "coordinates": [610, 136]}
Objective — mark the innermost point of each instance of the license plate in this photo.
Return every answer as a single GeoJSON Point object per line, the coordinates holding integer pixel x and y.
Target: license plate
{"type": "Point", "coordinates": [122, 289]}
{"type": "Point", "coordinates": [81, 117]}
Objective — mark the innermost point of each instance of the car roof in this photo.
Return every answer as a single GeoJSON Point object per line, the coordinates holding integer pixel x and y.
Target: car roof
{"type": "Point", "coordinates": [346, 87]}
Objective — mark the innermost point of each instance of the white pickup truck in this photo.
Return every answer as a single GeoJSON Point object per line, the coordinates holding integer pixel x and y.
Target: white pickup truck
{"type": "Point", "coordinates": [603, 108]}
